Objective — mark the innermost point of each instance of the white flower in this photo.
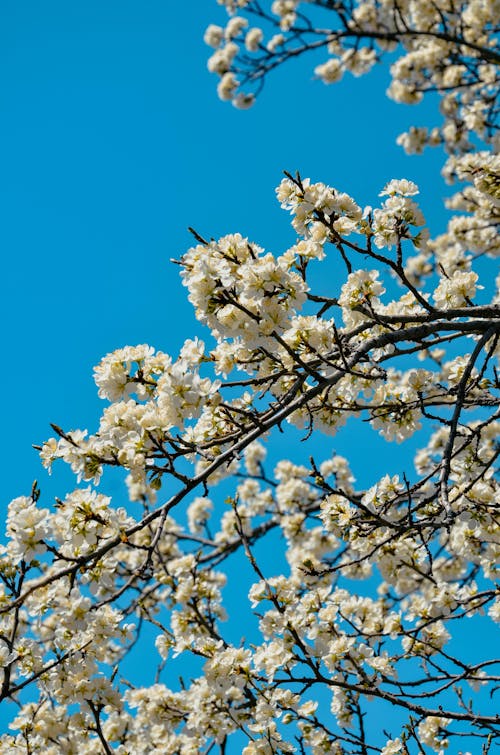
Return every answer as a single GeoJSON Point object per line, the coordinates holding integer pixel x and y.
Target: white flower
{"type": "Point", "coordinates": [330, 71]}
{"type": "Point", "coordinates": [393, 747]}
{"type": "Point", "coordinates": [455, 291]}
{"type": "Point", "coordinates": [213, 35]}
{"type": "Point", "coordinates": [400, 186]}
{"type": "Point", "coordinates": [253, 39]}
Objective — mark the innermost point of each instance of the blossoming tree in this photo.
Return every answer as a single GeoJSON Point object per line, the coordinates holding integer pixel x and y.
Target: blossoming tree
{"type": "Point", "coordinates": [352, 645]}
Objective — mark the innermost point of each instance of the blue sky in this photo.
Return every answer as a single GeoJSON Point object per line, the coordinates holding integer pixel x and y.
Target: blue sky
{"type": "Point", "coordinates": [113, 142]}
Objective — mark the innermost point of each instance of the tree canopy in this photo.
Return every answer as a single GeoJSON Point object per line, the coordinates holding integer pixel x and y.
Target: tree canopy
{"type": "Point", "coordinates": [357, 632]}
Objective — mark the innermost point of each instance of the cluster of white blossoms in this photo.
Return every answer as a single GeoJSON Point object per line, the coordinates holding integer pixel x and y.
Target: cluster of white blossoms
{"type": "Point", "coordinates": [449, 47]}
{"type": "Point", "coordinates": [240, 292]}
{"type": "Point", "coordinates": [280, 606]}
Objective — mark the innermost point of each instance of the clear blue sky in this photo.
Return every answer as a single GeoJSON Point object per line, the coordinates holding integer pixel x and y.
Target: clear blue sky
{"type": "Point", "coordinates": [112, 142]}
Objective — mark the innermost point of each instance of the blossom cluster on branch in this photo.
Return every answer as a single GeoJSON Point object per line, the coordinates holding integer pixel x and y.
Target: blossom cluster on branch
{"type": "Point", "coordinates": [447, 46]}
{"type": "Point", "coordinates": [354, 631]}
